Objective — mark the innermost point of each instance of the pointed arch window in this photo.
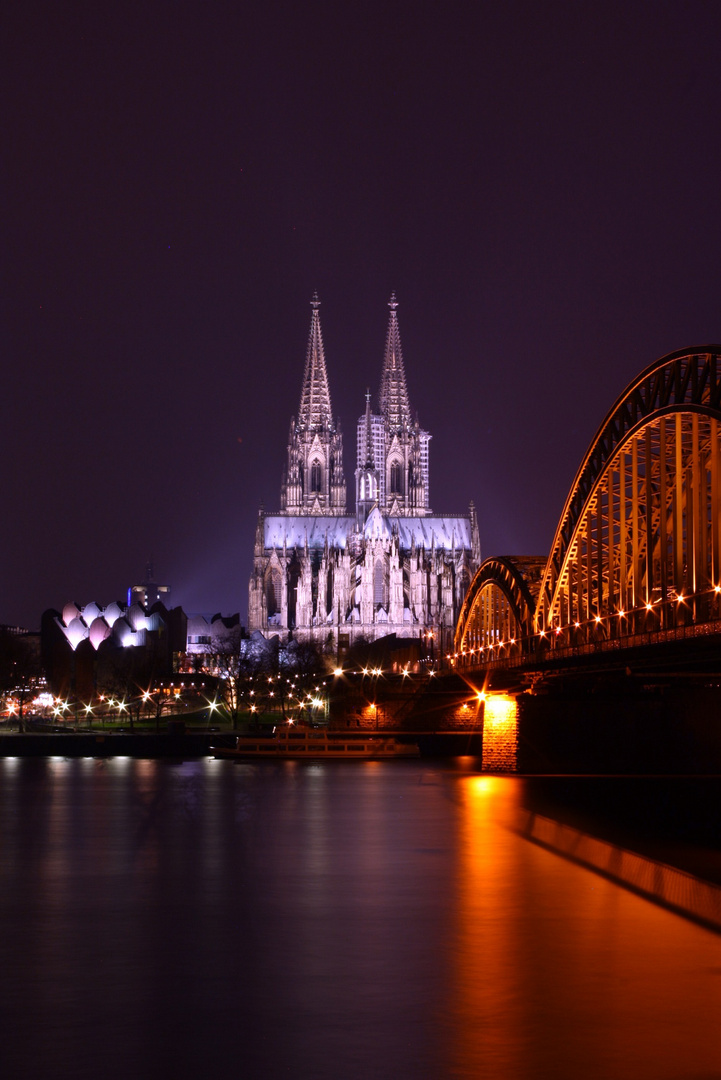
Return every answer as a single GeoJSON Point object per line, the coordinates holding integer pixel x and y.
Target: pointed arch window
{"type": "Point", "coordinates": [368, 487]}
{"type": "Point", "coordinates": [379, 585]}
{"type": "Point", "coordinates": [315, 476]}
{"type": "Point", "coordinates": [396, 478]}
{"type": "Point", "coordinates": [273, 592]}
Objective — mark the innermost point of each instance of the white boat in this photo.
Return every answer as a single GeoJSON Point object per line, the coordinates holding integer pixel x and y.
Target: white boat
{"type": "Point", "coordinates": [297, 743]}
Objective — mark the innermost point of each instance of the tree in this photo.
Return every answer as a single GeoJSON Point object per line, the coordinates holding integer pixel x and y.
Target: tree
{"type": "Point", "coordinates": [20, 671]}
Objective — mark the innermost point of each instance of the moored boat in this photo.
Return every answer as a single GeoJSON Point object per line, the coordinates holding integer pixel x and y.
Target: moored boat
{"type": "Point", "coordinates": [294, 742]}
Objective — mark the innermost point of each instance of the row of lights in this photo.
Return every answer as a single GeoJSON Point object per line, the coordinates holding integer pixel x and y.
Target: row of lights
{"type": "Point", "coordinates": [597, 620]}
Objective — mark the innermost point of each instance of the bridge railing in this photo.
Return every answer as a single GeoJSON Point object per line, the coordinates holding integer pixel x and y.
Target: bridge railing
{"type": "Point", "coordinates": [541, 648]}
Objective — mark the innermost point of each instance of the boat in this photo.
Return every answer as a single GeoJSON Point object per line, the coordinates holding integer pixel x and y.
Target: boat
{"type": "Point", "coordinates": [297, 743]}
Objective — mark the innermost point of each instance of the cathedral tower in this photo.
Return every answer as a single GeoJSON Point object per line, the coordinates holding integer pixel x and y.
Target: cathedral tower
{"type": "Point", "coordinates": [313, 480]}
{"type": "Point", "coordinates": [392, 443]}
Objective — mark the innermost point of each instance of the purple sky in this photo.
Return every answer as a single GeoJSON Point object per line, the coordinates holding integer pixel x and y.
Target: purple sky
{"type": "Point", "coordinates": [539, 182]}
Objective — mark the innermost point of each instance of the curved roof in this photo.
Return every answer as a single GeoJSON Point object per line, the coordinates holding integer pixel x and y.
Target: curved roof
{"type": "Point", "coordinates": [688, 379]}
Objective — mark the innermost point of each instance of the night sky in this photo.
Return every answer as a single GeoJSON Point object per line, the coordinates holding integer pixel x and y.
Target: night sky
{"type": "Point", "coordinates": [539, 182]}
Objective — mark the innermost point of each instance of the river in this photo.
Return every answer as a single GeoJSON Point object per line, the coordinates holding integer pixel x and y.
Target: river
{"type": "Point", "coordinates": [342, 920]}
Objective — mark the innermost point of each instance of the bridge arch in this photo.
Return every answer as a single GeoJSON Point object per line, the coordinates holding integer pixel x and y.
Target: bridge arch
{"type": "Point", "coordinates": [497, 612]}
{"type": "Point", "coordinates": [638, 544]}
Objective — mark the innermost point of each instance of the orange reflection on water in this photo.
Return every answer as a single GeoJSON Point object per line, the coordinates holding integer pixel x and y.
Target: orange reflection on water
{"type": "Point", "coordinates": [500, 733]}
{"type": "Point", "coordinates": [558, 972]}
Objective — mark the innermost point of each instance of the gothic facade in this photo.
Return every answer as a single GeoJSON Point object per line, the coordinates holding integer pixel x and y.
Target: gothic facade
{"type": "Point", "coordinates": [393, 566]}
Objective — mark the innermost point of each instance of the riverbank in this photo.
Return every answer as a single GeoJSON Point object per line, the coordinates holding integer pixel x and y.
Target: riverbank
{"type": "Point", "coordinates": [175, 743]}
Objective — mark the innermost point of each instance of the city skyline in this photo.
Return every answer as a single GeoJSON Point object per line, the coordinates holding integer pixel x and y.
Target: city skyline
{"type": "Point", "coordinates": [537, 184]}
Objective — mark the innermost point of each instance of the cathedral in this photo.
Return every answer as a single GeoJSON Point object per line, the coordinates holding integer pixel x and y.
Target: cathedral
{"type": "Point", "coordinates": [392, 567]}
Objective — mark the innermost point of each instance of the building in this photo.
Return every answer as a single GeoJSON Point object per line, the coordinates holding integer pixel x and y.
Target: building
{"type": "Point", "coordinates": [392, 566]}
{"type": "Point", "coordinates": [149, 592]}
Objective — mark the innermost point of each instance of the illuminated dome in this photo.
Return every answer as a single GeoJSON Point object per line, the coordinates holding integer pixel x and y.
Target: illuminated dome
{"type": "Point", "coordinates": [70, 611]}
{"type": "Point", "coordinates": [76, 630]}
{"type": "Point", "coordinates": [112, 612]}
{"type": "Point", "coordinates": [91, 612]}
{"type": "Point", "coordinates": [98, 632]}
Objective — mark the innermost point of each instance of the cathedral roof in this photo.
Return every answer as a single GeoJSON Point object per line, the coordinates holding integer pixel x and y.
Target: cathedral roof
{"type": "Point", "coordinates": [315, 411]}
{"type": "Point", "coordinates": [428, 532]}
{"type": "Point", "coordinates": [394, 405]}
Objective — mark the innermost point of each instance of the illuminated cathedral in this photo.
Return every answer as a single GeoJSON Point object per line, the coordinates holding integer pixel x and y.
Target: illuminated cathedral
{"type": "Point", "coordinates": [392, 567]}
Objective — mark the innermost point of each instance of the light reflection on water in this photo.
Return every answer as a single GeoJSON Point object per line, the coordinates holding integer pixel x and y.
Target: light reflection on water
{"type": "Point", "coordinates": [329, 920]}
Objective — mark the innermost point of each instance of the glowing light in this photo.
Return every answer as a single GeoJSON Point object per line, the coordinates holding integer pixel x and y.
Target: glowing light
{"type": "Point", "coordinates": [500, 708]}
{"type": "Point", "coordinates": [541, 633]}
{"type": "Point", "coordinates": [717, 589]}
{"type": "Point", "coordinates": [481, 695]}
{"type": "Point", "coordinates": [577, 625]}
{"type": "Point", "coordinates": [598, 619]}
{"type": "Point", "coordinates": [338, 671]}
{"type": "Point", "coordinates": [622, 614]}
{"type": "Point", "coordinates": [649, 607]}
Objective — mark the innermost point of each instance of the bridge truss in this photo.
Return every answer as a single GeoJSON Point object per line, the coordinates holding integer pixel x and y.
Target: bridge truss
{"type": "Point", "coordinates": [638, 546]}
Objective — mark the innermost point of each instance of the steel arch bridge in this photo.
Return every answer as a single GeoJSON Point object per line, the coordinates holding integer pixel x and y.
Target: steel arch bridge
{"type": "Point", "coordinates": [637, 549]}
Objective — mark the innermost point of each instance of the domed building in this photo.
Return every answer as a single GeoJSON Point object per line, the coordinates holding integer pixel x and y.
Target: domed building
{"type": "Point", "coordinates": [393, 566]}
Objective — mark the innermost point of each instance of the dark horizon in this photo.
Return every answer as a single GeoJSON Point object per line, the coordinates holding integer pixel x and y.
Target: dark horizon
{"type": "Point", "coordinates": [538, 184]}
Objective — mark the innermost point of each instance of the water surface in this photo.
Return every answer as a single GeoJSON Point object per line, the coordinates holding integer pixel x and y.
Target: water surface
{"type": "Point", "coordinates": [217, 919]}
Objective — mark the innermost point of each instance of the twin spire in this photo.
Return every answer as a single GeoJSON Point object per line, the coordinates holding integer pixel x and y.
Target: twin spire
{"type": "Point", "coordinates": [315, 412]}
{"type": "Point", "coordinates": [394, 405]}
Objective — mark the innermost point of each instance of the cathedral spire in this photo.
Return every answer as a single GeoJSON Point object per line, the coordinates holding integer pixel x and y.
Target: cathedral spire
{"type": "Point", "coordinates": [394, 405]}
{"type": "Point", "coordinates": [313, 481]}
{"type": "Point", "coordinates": [315, 413]}
{"type": "Point", "coordinates": [369, 432]}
